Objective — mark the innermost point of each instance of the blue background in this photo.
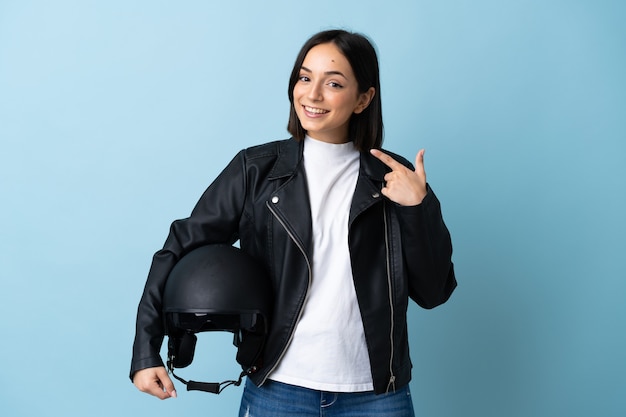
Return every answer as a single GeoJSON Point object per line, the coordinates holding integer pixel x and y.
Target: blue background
{"type": "Point", "coordinates": [115, 115]}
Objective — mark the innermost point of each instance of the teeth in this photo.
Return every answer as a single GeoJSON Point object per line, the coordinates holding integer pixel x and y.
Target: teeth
{"type": "Point", "coordinates": [315, 110]}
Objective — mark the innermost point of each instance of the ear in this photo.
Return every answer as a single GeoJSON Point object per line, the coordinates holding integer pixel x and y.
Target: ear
{"type": "Point", "coordinates": [364, 100]}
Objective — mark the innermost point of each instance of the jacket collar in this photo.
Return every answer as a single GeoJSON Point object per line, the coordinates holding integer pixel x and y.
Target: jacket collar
{"type": "Point", "coordinates": [373, 167]}
{"type": "Point", "coordinates": [290, 156]}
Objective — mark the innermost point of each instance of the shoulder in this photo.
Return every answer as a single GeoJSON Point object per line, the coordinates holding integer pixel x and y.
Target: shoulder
{"type": "Point", "coordinates": [269, 149]}
{"type": "Point", "coordinates": [276, 159]}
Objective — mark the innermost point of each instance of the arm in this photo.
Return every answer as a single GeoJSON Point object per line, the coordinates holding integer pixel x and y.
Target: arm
{"type": "Point", "coordinates": [427, 251]}
{"type": "Point", "coordinates": [214, 219]}
{"type": "Point", "coordinates": [425, 238]}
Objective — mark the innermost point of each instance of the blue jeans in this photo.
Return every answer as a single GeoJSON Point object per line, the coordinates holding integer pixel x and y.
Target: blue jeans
{"type": "Point", "coordinates": [275, 399]}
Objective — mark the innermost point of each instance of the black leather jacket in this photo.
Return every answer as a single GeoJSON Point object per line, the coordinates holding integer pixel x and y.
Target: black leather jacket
{"type": "Point", "coordinates": [261, 199]}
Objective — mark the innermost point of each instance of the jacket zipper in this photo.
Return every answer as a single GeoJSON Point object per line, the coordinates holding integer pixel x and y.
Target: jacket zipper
{"type": "Point", "coordinates": [308, 263]}
{"type": "Point", "coordinates": [391, 385]}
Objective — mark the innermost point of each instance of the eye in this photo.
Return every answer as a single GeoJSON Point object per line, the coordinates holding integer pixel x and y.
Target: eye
{"type": "Point", "coordinates": [335, 85]}
{"type": "Point", "coordinates": [303, 78]}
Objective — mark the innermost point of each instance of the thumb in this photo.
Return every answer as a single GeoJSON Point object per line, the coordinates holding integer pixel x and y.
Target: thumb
{"type": "Point", "coordinates": [419, 161]}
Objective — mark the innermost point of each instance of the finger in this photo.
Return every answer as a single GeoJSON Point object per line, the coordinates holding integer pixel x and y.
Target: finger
{"type": "Point", "coordinates": [386, 159]}
{"type": "Point", "coordinates": [158, 392]}
{"type": "Point", "coordinates": [166, 382]}
{"type": "Point", "coordinates": [157, 389]}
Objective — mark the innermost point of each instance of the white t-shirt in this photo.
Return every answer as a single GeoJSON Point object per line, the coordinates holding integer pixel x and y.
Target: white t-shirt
{"type": "Point", "coordinates": [328, 350]}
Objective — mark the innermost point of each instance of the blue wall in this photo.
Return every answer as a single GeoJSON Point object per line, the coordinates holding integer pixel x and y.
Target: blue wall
{"type": "Point", "coordinates": [115, 115]}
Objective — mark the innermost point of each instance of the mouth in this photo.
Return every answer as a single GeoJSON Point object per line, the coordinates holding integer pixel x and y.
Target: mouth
{"type": "Point", "coordinates": [314, 110]}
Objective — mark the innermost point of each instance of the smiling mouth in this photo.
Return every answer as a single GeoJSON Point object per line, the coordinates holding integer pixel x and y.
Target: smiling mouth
{"type": "Point", "coordinates": [314, 110]}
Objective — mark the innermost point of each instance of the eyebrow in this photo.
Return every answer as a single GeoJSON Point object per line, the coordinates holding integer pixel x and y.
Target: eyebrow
{"type": "Point", "coordinates": [326, 72]}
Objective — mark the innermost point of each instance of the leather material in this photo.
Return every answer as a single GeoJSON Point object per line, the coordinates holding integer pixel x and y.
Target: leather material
{"type": "Point", "coordinates": [261, 199]}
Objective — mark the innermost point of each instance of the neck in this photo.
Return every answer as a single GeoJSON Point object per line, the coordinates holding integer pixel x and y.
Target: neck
{"type": "Point", "coordinates": [330, 137]}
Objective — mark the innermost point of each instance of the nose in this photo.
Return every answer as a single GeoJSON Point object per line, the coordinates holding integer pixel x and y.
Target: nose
{"type": "Point", "coordinates": [315, 91]}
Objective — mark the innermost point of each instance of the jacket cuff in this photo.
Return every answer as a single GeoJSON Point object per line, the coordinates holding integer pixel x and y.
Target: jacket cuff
{"type": "Point", "coordinates": [143, 364]}
{"type": "Point", "coordinates": [428, 200]}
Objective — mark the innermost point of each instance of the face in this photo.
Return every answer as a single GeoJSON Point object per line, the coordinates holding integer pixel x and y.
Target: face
{"type": "Point", "coordinates": [327, 94]}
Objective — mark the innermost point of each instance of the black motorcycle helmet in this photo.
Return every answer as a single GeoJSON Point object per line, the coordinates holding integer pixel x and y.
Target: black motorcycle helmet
{"type": "Point", "coordinates": [216, 288]}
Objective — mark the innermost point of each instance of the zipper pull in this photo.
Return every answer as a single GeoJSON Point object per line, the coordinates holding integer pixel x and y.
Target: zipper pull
{"type": "Point", "coordinates": [392, 383]}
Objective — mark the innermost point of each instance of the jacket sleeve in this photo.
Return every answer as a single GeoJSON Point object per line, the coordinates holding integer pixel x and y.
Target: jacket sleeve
{"type": "Point", "coordinates": [214, 219]}
{"type": "Point", "coordinates": [427, 252]}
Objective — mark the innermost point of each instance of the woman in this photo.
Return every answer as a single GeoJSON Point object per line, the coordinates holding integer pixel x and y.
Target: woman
{"type": "Point", "coordinates": [348, 232]}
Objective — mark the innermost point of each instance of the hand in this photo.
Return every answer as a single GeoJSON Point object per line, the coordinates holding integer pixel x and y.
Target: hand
{"type": "Point", "coordinates": [155, 381]}
{"type": "Point", "coordinates": [403, 186]}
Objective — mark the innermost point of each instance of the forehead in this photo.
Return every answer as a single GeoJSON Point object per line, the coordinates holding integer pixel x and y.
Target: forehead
{"type": "Point", "coordinates": [325, 57]}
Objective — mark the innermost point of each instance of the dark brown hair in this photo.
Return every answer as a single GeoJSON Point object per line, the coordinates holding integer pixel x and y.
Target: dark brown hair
{"type": "Point", "coordinates": [366, 128]}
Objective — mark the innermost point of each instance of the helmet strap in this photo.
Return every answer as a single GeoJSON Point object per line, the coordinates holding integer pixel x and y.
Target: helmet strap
{"type": "Point", "coordinates": [249, 347]}
{"type": "Point", "coordinates": [211, 387]}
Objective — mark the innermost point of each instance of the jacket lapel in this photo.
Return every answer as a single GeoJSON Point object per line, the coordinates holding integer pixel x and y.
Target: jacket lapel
{"type": "Point", "coordinates": [371, 178]}
{"type": "Point", "coordinates": [290, 200]}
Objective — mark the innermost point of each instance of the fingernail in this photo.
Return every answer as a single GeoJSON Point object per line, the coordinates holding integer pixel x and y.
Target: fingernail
{"type": "Point", "coordinates": [173, 394]}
